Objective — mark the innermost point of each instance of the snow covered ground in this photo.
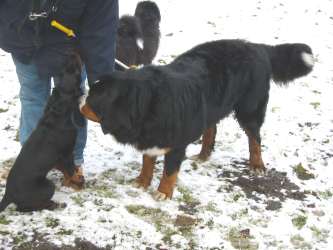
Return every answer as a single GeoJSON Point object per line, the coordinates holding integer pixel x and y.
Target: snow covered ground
{"type": "Point", "coordinates": [217, 204]}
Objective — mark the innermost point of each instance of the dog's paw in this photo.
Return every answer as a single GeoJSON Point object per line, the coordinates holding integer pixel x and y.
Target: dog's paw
{"type": "Point", "coordinates": [138, 185]}
{"type": "Point", "coordinates": [259, 171]}
{"type": "Point", "coordinates": [56, 205]}
{"type": "Point", "coordinates": [76, 181]}
{"type": "Point", "coordinates": [141, 183]}
{"type": "Point", "coordinates": [74, 185]}
{"type": "Point", "coordinates": [158, 196]}
{"type": "Point", "coordinates": [61, 205]}
{"type": "Point", "coordinates": [199, 158]}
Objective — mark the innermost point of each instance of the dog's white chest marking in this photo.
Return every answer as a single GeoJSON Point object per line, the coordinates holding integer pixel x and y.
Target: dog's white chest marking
{"type": "Point", "coordinates": [308, 59]}
{"type": "Point", "coordinates": [139, 43]}
{"type": "Point", "coordinates": [155, 151]}
{"type": "Point", "coordinates": [82, 101]}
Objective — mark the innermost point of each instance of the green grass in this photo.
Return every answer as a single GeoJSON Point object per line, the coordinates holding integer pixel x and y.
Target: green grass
{"type": "Point", "coordinates": [319, 234]}
{"type": "Point", "coordinates": [237, 196]}
{"type": "Point", "coordinates": [78, 200]}
{"type": "Point", "coordinates": [315, 105]}
{"type": "Point", "coordinates": [167, 235]}
{"type": "Point", "coordinates": [4, 220]}
{"type": "Point", "coordinates": [299, 243]}
{"type": "Point", "coordinates": [64, 231]}
{"type": "Point", "coordinates": [155, 216]}
{"type": "Point", "coordinates": [52, 222]}
{"type": "Point", "coordinates": [302, 173]}
{"type": "Point", "coordinates": [19, 238]}
{"type": "Point", "coordinates": [210, 223]}
{"type": "Point", "coordinates": [3, 110]}
{"type": "Point", "coordinates": [299, 221]}
{"type": "Point", "coordinates": [240, 214]}
{"type": "Point", "coordinates": [327, 194]}
{"type": "Point", "coordinates": [212, 207]}
{"type": "Point", "coordinates": [186, 196]}
{"type": "Point", "coordinates": [4, 233]}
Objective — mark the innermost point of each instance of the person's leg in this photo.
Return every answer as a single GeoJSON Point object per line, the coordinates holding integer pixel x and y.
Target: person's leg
{"type": "Point", "coordinates": [81, 138]}
{"type": "Point", "coordinates": [34, 92]}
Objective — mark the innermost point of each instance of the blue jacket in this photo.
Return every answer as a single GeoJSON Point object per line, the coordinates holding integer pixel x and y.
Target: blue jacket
{"type": "Point", "coordinates": [93, 21]}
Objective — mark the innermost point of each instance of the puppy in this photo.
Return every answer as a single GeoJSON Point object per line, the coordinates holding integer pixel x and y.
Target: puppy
{"type": "Point", "coordinates": [138, 36]}
{"type": "Point", "coordinates": [161, 109]}
{"type": "Point", "coordinates": [129, 43]}
{"type": "Point", "coordinates": [50, 144]}
{"type": "Point", "coordinates": [149, 17]}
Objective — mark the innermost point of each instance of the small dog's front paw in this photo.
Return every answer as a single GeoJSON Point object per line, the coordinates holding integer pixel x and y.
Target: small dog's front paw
{"type": "Point", "coordinates": [259, 170]}
{"type": "Point", "coordinates": [56, 205]}
{"type": "Point", "coordinates": [76, 181]}
{"type": "Point", "coordinates": [199, 158]}
{"type": "Point", "coordinates": [77, 186]}
{"type": "Point", "coordinates": [62, 205]}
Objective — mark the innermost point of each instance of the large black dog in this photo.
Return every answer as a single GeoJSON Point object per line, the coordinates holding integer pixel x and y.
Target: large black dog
{"type": "Point", "coordinates": [51, 144]}
{"type": "Point", "coordinates": [161, 109]}
{"type": "Point", "coordinates": [138, 36]}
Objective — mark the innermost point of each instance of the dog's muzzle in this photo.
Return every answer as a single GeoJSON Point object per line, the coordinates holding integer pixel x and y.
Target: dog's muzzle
{"type": "Point", "coordinates": [86, 111]}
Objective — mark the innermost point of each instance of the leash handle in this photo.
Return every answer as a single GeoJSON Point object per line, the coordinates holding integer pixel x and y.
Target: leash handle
{"type": "Point", "coordinates": [69, 32]}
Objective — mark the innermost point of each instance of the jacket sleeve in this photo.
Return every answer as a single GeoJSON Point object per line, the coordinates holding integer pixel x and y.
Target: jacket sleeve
{"type": "Point", "coordinates": [97, 37]}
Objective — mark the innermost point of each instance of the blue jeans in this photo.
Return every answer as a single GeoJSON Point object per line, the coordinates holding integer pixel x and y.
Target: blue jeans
{"type": "Point", "coordinates": [34, 93]}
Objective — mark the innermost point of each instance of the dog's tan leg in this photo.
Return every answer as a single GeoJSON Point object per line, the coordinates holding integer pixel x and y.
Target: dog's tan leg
{"type": "Point", "coordinates": [208, 141]}
{"type": "Point", "coordinates": [256, 162]}
{"type": "Point", "coordinates": [172, 162]}
{"type": "Point", "coordinates": [147, 170]}
{"type": "Point", "coordinates": [167, 184]}
{"type": "Point", "coordinates": [207, 146]}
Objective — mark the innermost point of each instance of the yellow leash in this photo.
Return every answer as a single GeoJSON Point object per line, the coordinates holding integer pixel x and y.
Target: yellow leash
{"type": "Point", "coordinates": [69, 32]}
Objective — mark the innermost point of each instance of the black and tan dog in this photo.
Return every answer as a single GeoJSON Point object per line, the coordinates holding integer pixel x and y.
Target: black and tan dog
{"type": "Point", "coordinates": [50, 144]}
{"type": "Point", "coordinates": [161, 109]}
{"type": "Point", "coordinates": [138, 36]}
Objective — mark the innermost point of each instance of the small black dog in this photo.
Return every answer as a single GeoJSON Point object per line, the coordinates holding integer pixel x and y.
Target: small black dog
{"type": "Point", "coordinates": [50, 144]}
{"type": "Point", "coordinates": [139, 35]}
{"type": "Point", "coordinates": [162, 109]}
{"type": "Point", "coordinates": [129, 44]}
{"type": "Point", "coordinates": [149, 16]}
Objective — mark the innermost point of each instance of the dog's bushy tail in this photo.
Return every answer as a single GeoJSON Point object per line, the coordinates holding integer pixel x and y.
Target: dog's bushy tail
{"type": "Point", "coordinates": [290, 61]}
{"type": "Point", "coordinates": [4, 202]}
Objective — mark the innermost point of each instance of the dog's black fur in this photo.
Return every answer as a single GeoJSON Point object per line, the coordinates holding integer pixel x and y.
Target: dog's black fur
{"type": "Point", "coordinates": [129, 34]}
{"type": "Point", "coordinates": [50, 144]}
{"type": "Point", "coordinates": [142, 27]}
{"type": "Point", "coordinates": [149, 16]}
{"type": "Point", "coordinates": [171, 106]}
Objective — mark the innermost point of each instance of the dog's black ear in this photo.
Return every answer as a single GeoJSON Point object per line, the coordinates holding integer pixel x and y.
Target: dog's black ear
{"type": "Point", "coordinates": [115, 110]}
